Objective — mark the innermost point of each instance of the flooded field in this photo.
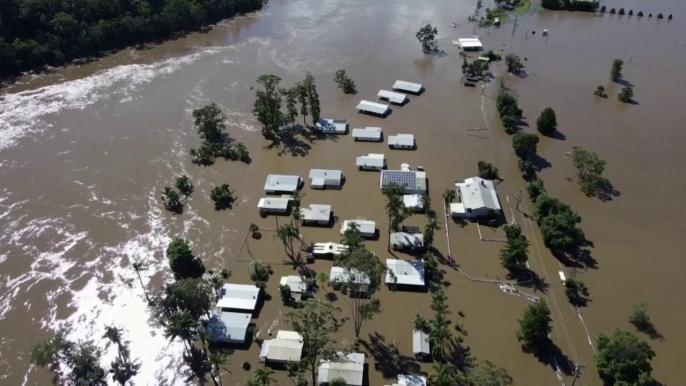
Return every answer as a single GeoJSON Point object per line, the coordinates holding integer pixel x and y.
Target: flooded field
{"type": "Point", "coordinates": [85, 151]}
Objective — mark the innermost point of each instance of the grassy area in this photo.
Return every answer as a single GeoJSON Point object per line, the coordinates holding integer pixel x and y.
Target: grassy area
{"type": "Point", "coordinates": [525, 7]}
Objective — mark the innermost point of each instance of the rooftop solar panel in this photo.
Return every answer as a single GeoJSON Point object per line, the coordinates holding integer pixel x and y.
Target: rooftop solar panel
{"type": "Point", "coordinates": [400, 177]}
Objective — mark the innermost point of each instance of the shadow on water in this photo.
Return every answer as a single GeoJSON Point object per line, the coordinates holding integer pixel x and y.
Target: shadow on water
{"type": "Point", "coordinates": [387, 357]}
{"type": "Point", "coordinates": [529, 279]}
{"type": "Point", "coordinates": [559, 136]}
{"type": "Point", "coordinates": [552, 356]}
{"type": "Point", "coordinates": [577, 258]}
{"type": "Point", "coordinates": [298, 140]}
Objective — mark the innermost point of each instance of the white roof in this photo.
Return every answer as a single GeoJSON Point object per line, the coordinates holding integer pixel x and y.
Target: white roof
{"type": "Point", "coordinates": [411, 380]}
{"type": "Point", "coordinates": [238, 296]}
{"type": "Point", "coordinates": [406, 272]}
{"type": "Point", "coordinates": [366, 227]}
{"type": "Point", "coordinates": [273, 203]}
{"type": "Point", "coordinates": [404, 239]}
{"type": "Point", "coordinates": [328, 175]}
{"type": "Point", "coordinates": [295, 283]}
{"type": "Point", "coordinates": [420, 342]}
{"type": "Point", "coordinates": [470, 43]}
{"type": "Point", "coordinates": [413, 201]}
{"type": "Point", "coordinates": [326, 248]}
{"type": "Point", "coordinates": [339, 274]}
{"type": "Point", "coordinates": [316, 212]}
{"type": "Point", "coordinates": [373, 107]}
{"type": "Point", "coordinates": [401, 140]}
{"type": "Point", "coordinates": [477, 193]}
{"type": "Point", "coordinates": [287, 347]}
{"type": "Point", "coordinates": [457, 208]}
{"type": "Point", "coordinates": [337, 126]}
{"type": "Point", "coordinates": [282, 183]}
{"type": "Point", "coordinates": [349, 367]}
{"type": "Point", "coordinates": [393, 97]}
{"type": "Point", "coordinates": [374, 160]}
{"type": "Point", "coordinates": [369, 132]}
{"type": "Point", "coordinates": [407, 86]}
{"type": "Point", "coordinates": [229, 326]}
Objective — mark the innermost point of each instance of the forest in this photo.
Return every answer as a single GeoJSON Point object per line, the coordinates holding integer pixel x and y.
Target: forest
{"type": "Point", "coordinates": [39, 33]}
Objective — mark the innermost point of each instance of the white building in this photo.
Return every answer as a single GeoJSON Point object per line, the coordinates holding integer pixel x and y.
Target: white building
{"type": "Point", "coordinates": [278, 183]}
{"type": "Point", "coordinates": [414, 201]}
{"type": "Point", "coordinates": [322, 178]}
{"type": "Point", "coordinates": [229, 327]}
{"type": "Point", "coordinates": [470, 44]}
{"type": "Point", "coordinates": [411, 181]}
{"type": "Point", "coordinates": [275, 204]}
{"type": "Point", "coordinates": [329, 249]}
{"type": "Point", "coordinates": [367, 228]}
{"type": "Point", "coordinates": [316, 214]}
{"type": "Point", "coordinates": [477, 199]}
{"type": "Point", "coordinates": [410, 380]}
{"type": "Point", "coordinates": [373, 108]}
{"type": "Point", "coordinates": [393, 97]}
{"type": "Point", "coordinates": [403, 272]}
{"type": "Point", "coordinates": [340, 275]}
{"type": "Point", "coordinates": [368, 134]}
{"type": "Point", "coordinates": [332, 126]}
{"type": "Point", "coordinates": [238, 297]}
{"type": "Point", "coordinates": [287, 347]}
{"type": "Point", "coordinates": [349, 367]}
{"type": "Point", "coordinates": [296, 284]}
{"type": "Point", "coordinates": [403, 241]}
{"type": "Point", "coordinates": [401, 85]}
{"type": "Point", "coordinates": [401, 141]}
{"type": "Point", "coordinates": [371, 162]}
{"type": "Point", "coordinates": [420, 344]}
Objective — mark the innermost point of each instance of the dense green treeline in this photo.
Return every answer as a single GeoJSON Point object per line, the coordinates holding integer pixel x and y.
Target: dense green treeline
{"type": "Point", "coordinates": [36, 33]}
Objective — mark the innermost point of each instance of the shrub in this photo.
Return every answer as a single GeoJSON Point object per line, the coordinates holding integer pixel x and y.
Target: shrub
{"type": "Point", "coordinates": [613, 11]}
{"type": "Point", "coordinates": [547, 122]}
{"type": "Point", "coordinates": [487, 171]}
{"type": "Point", "coordinates": [259, 271]}
{"type": "Point", "coordinates": [286, 295]}
{"type": "Point", "coordinates": [659, 16]}
{"type": "Point", "coordinates": [603, 9]}
{"type": "Point", "coordinates": [640, 13]}
{"type": "Point", "coordinates": [621, 11]}
{"type": "Point", "coordinates": [626, 95]}
{"type": "Point", "coordinates": [600, 91]}
{"type": "Point", "coordinates": [631, 12]}
{"type": "Point", "coordinates": [639, 317]}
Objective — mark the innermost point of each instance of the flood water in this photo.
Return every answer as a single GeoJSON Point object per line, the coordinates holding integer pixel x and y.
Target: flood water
{"type": "Point", "coordinates": [85, 151]}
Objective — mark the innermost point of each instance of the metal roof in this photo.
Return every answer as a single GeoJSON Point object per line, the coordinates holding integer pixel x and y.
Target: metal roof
{"type": "Point", "coordinates": [238, 296]}
{"type": "Point", "coordinates": [413, 201]}
{"type": "Point", "coordinates": [411, 380]}
{"type": "Point", "coordinates": [282, 183]}
{"type": "Point", "coordinates": [341, 275]}
{"type": "Point", "coordinates": [404, 239]}
{"type": "Point", "coordinates": [273, 203]}
{"type": "Point", "coordinates": [420, 342]}
{"type": "Point", "coordinates": [336, 126]}
{"type": "Point", "coordinates": [229, 326]}
{"type": "Point", "coordinates": [330, 177]}
{"type": "Point", "coordinates": [369, 132]}
{"type": "Point", "coordinates": [295, 283]}
{"type": "Point", "coordinates": [406, 272]}
{"type": "Point", "coordinates": [411, 179]}
{"type": "Point", "coordinates": [349, 367]}
{"type": "Point", "coordinates": [373, 107]}
{"type": "Point", "coordinates": [366, 227]}
{"type": "Point", "coordinates": [401, 140]}
{"type": "Point", "coordinates": [285, 348]}
{"type": "Point", "coordinates": [477, 193]}
{"type": "Point", "coordinates": [407, 86]}
{"type": "Point", "coordinates": [316, 212]}
{"type": "Point", "coordinates": [393, 97]}
{"type": "Point", "coordinates": [470, 43]}
{"type": "Point", "coordinates": [372, 160]}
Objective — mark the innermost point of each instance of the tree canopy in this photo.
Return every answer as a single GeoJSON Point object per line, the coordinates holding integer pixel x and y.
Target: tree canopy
{"type": "Point", "coordinates": [514, 254]}
{"type": "Point", "coordinates": [525, 144]}
{"type": "Point", "coordinates": [547, 122]}
{"type": "Point", "coordinates": [82, 359]}
{"type": "Point", "coordinates": [589, 168]}
{"type": "Point", "coordinates": [182, 261]}
{"type": "Point", "coordinates": [427, 38]}
{"type": "Point", "coordinates": [344, 82]}
{"type": "Point", "coordinates": [616, 71]}
{"type": "Point", "coordinates": [487, 171]}
{"type": "Point", "coordinates": [558, 223]}
{"type": "Point", "coordinates": [623, 359]}
{"type": "Point", "coordinates": [626, 95]}
{"type": "Point", "coordinates": [534, 326]}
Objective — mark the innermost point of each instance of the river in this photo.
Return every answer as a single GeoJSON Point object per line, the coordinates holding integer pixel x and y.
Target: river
{"type": "Point", "coordinates": [85, 151]}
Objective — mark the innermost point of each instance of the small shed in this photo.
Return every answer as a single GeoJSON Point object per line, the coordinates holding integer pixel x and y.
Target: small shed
{"type": "Point", "coordinates": [279, 183]}
{"type": "Point", "coordinates": [321, 178]}
{"type": "Point", "coordinates": [414, 88]}
{"type": "Point", "coordinates": [274, 204]}
{"type": "Point", "coordinates": [349, 367]}
{"type": "Point", "coordinates": [367, 228]}
{"type": "Point", "coordinates": [414, 201]}
{"type": "Point", "coordinates": [341, 275]}
{"type": "Point", "coordinates": [368, 134]}
{"type": "Point", "coordinates": [316, 214]}
{"type": "Point", "coordinates": [371, 162]}
{"type": "Point", "coordinates": [393, 97]}
{"type": "Point", "coordinates": [332, 126]}
{"type": "Point", "coordinates": [229, 327]}
{"type": "Point", "coordinates": [401, 141]}
{"type": "Point", "coordinates": [296, 284]}
{"type": "Point", "coordinates": [238, 297]}
{"type": "Point", "coordinates": [287, 347]}
{"type": "Point", "coordinates": [373, 108]}
{"type": "Point", "coordinates": [405, 273]}
{"type": "Point", "coordinates": [420, 345]}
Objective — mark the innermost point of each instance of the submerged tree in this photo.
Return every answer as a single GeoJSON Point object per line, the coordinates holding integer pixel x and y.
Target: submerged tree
{"type": "Point", "coordinates": [525, 144]}
{"type": "Point", "coordinates": [312, 97]}
{"type": "Point", "coordinates": [624, 359]}
{"type": "Point", "coordinates": [440, 335]}
{"type": "Point", "coordinates": [427, 38]}
{"type": "Point", "coordinates": [344, 82]}
{"type": "Point", "coordinates": [600, 91]}
{"type": "Point", "coordinates": [535, 189]}
{"type": "Point", "coordinates": [185, 186]}
{"type": "Point", "coordinates": [487, 171]}
{"type": "Point", "coordinates": [534, 326]}
{"type": "Point", "coordinates": [222, 196]}
{"type": "Point", "coordinates": [267, 106]}
{"type": "Point", "coordinates": [589, 168]}
{"type": "Point", "coordinates": [171, 200]}
{"type": "Point", "coordinates": [514, 254]}
{"type": "Point", "coordinates": [639, 317]}
{"type": "Point", "coordinates": [449, 195]}
{"type": "Point", "coordinates": [395, 209]}
{"type": "Point", "coordinates": [122, 367]}
{"type": "Point", "coordinates": [576, 291]}
{"type": "Point", "coordinates": [547, 122]}
{"type": "Point", "coordinates": [182, 261]}
{"type": "Point", "coordinates": [514, 65]}
{"type": "Point", "coordinates": [82, 360]}
{"type": "Point", "coordinates": [626, 95]}
{"type": "Point", "coordinates": [616, 71]}
{"type": "Point", "coordinates": [291, 96]}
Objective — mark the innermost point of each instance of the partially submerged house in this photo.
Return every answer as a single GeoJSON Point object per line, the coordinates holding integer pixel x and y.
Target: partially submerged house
{"type": "Point", "coordinates": [275, 204]}
{"type": "Point", "coordinates": [373, 108]}
{"type": "Point", "coordinates": [405, 273]}
{"type": "Point", "coordinates": [409, 87]}
{"type": "Point", "coordinates": [229, 327]}
{"type": "Point", "coordinates": [414, 201]}
{"type": "Point", "coordinates": [477, 199]}
{"type": "Point", "coordinates": [279, 183]}
{"type": "Point", "coordinates": [368, 134]}
{"type": "Point", "coordinates": [401, 141]}
{"type": "Point", "coordinates": [333, 249]}
{"type": "Point", "coordinates": [348, 367]}
{"type": "Point", "coordinates": [410, 181]}
{"type": "Point", "coordinates": [404, 241]}
{"type": "Point", "coordinates": [371, 162]}
{"type": "Point", "coordinates": [340, 275]}
{"type": "Point", "coordinates": [316, 214]}
{"type": "Point", "coordinates": [296, 284]}
{"type": "Point", "coordinates": [322, 178]}
{"type": "Point", "coordinates": [367, 228]}
{"type": "Point", "coordinates": [420, 345]}
{"type": "Point", "coordinates": [238, 297]}
{"type": "Point", "coordinates": [286, 347]}
{"type": "Point", "coordinates": [393, 97]}
{"type": "Point", "coordinates": [410, 380]}
{"type": "Point", "coordinates": [332, 126]}
{"type": "Point", "coordinates": [469, 44]}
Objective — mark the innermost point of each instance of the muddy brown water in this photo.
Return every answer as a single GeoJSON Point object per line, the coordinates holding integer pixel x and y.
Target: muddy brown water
{"type": "Point", "coordinates": [85, 151]}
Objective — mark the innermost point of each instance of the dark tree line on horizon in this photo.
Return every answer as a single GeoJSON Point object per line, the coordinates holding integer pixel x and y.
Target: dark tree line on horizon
{"type": "Point", "coordinates": [39, 33]}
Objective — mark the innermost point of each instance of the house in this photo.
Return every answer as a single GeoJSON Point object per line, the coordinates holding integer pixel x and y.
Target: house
{"type": "Point", "coordinates": [411, 182]}
{"type": "Point", "coordinates": [322, 178]}
{"type": "Point", "coordinates": [410, 380]}
{"type": "Point", "coordinates": [414, 88]}
{"type": "Point", "coordinates": [405, 273]}
{"type": "Point", "coordinates": [340, 275]}
{"type": "Point", "coordinates": [367, 228]}
{"type": "Point", "coordinates": [420, 345]}
{"type": "Point", "coordinates": [373, 108]}
{"type": "Point", "coordinates": [296, 284]}
{"type": "Point", "coordinates": [349, 367]}
{"type": "Point", "coordinates": [401, 141]}
{"type": "Point", "coordinates": [403, 241]}
{"type": "Point", "coordinates": [241, 297]}
{"type": "Point", "coordinates": [316, 214]}
{"type": "Point", "coordinates": [229, 327]}
{"type": "Point", "coordinates": [274, 204]}
{"type": "Point", "coordinates": [393, 97]}
{"type": "Point", "coordinates": [470, 44]}
{"type": "Point", "coordinates": [278, 183]}
{"type": "Point", "coordinates": [371, 162]}
{"type": "Point", "coordinates": [328, 249]}
{"type": "Point", "coordinates": [414, 201]}
{"type": "Point", "coordinates": [368, 134]}
{"type": "Point", "coordinates": [477, 199]}
{"type": "Point", "coordinates": [332, 126]}
{"type": "Point", "coordinates": [287, 347]}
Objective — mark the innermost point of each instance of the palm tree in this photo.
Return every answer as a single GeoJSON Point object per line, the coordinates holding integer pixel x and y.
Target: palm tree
{"type": "Point", "coordinates": [185, 186]}
{"type": "Point", "coordinates": [198, 363]}
{"type": "Point", "coordinates": [263, 376]}
{"type": "Point", "coordinates": [323, 278]}
{"type": "Point", "coordinates": [285, 233]}
{"type": "Point", "coordinates": [218, 360]}
{"type": "Point", "coordinates": [180, 324]}
{"type": "Point", "coordinates": [297, 216]}
{"type": "Point", "coordinates": [444, 375]}
{"type": "Point", "coordinates": [254, 229]}
{"type": "Point", "coordinates": [138, 267]}
{"type": "Point", "coordinates": [122, 368]}
{"type": "Point", "coordinates": [394, 209]}
{"type": "Point", "coordinates": [171, 199]}
{"type": "Point", "coordinates": [449, 195]}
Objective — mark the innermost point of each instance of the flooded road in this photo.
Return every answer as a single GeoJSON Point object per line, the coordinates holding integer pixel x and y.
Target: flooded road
{"type": "Point", "coordinates": [85, 151]}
